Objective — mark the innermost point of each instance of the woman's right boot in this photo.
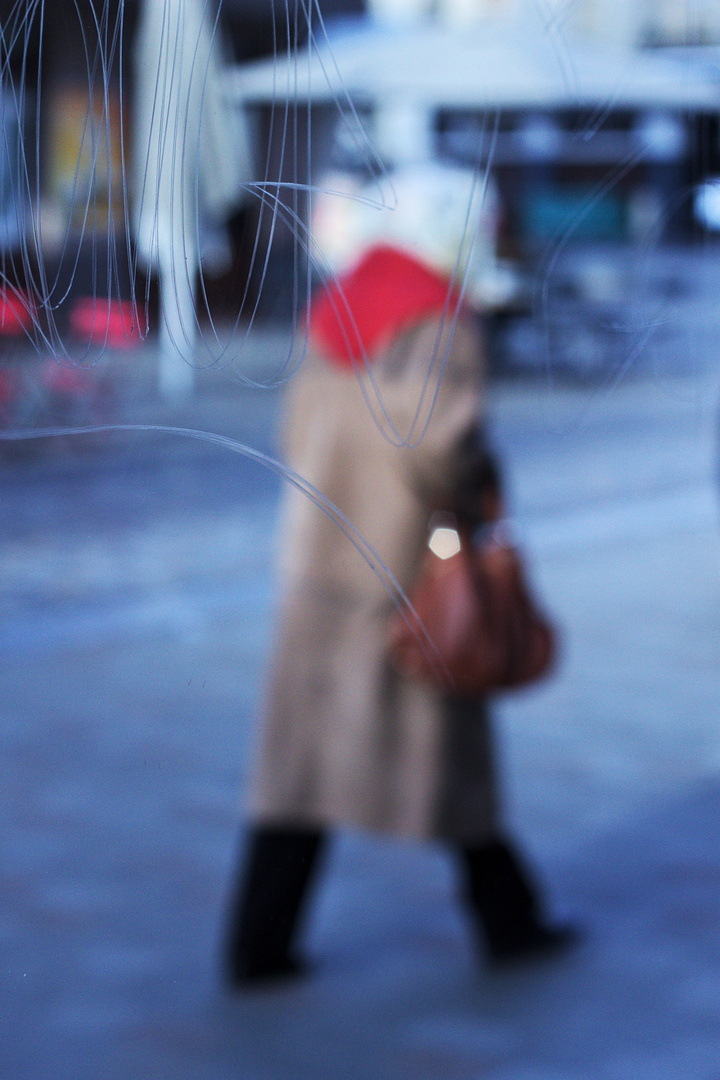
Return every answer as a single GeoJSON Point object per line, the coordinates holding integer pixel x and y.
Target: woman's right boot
{"type": "Point", "coordinates": [506, 906]}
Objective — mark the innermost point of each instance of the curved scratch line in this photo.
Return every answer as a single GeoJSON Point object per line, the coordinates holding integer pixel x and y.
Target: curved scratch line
{"type": "Point", "coordinates": [374, 561]}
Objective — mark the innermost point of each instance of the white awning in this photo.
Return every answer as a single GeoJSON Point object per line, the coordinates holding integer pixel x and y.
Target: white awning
{"type": "Point", "coordinates": [487, 66]}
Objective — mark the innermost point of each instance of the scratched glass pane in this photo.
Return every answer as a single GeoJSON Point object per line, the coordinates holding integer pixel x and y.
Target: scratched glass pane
{"type": "Point", "coordinates": [303, 303]}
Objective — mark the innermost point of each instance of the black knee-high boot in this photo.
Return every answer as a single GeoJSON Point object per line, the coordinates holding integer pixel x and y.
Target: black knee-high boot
{"type": "Point", "coordinates": [267, 904]}
{"type": "Point", "coordinates": [506, 906]}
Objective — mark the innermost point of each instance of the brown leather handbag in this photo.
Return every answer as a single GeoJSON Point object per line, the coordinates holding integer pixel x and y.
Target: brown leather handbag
{"type": "Point", "coordinates": [473, 626]}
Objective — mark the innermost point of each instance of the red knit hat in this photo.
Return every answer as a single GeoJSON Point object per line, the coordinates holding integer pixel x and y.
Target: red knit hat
{"type": "Point", "coordinates": [386, 292]}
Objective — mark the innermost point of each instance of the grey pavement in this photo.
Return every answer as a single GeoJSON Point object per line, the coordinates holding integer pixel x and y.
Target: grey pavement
{"type": "Point", "coordinates": [137, 590]}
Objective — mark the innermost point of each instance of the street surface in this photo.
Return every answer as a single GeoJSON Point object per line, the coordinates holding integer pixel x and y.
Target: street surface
{"type": "Point", "coordinates": [136, 589]}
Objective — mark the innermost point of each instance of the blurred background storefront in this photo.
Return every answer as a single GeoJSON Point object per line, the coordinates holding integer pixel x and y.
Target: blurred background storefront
{"type": "Point", "coordinates": [599, 121]}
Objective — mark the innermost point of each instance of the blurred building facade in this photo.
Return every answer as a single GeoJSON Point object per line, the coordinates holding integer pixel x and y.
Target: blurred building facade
{"type": "Point", "coordinates": [623, 23]}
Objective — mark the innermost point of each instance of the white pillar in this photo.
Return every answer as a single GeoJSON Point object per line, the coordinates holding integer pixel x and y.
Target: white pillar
{"type": "Point", "coordinates": [172, 51]}
{"type": "Point", "coordinates": [621, 24]}
{"type": "Point", "coordinates": [403, 132]}
{"type": "Point", "coordinates": [178, 336]}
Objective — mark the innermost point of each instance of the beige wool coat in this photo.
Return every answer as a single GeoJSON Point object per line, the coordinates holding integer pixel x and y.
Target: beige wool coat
{"type": "Point", "coordinates": [344, 739]}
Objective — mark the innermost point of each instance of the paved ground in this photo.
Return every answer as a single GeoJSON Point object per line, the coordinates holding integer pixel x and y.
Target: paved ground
{"type": "Point", "coordinates": [136, 586]}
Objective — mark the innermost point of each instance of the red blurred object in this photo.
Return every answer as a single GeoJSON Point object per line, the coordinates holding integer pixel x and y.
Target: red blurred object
{"type": "Point", "coordinates": [105, 322]}
{"type": "Point", "coordinates": [8, 387]}
{"type": "Point", "coordinates": [385, 293]}
{"type": "Point", "coordinates": [70, 381]}
{"type": "Point", "coordinates": [16, 315]}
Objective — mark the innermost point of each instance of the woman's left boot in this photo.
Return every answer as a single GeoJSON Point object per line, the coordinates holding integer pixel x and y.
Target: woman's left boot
{"type": "Point", "coordinates": [266, 907]}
